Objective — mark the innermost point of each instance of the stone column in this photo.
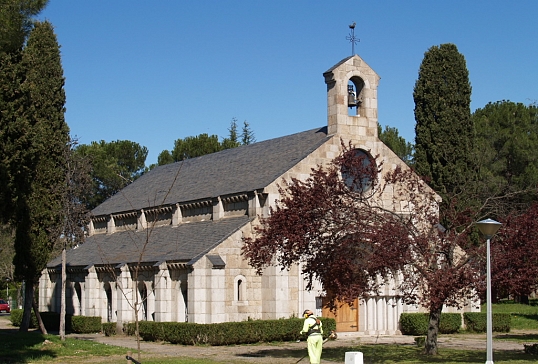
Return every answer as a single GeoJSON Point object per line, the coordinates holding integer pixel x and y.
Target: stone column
{"type": "Point", "coordinates": [94, 293]}
{"type": "Point", "coordinates": [45, 293]}
{"type": "Point", "coordinates": [83, 295]}
{"type": "Point", "coordinates": [217, 290]}
{"type": "Point", "coordinates": [162, 294]}
{"type": "Point", "coordinates": [254, 208]}
{"type": "Point", "coordinates": [141, 222]}
{"type": "Point", "coordinates": [124, 296]}
{"type": "Point", "coordinates": [218, 209]}
{"type": "Point", "coordinates": [177, 216]}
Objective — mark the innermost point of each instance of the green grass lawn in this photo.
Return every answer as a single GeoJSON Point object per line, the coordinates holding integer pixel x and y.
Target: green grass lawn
{"type": "Point", "coordinates": [33, 348]}
{"type": "Point", "coordinates": [523, 317]}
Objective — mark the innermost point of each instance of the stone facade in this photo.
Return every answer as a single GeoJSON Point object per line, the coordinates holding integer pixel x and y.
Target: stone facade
{"type": "Point", "coordinates": [189, 238]}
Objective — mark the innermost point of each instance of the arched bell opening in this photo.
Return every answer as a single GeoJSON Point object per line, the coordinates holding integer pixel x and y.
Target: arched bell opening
{"type": "Point", "coordinates": [355, 86]}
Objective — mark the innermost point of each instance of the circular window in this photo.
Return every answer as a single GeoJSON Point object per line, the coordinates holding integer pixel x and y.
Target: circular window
{"type": "Point", "coordinates": [359, 170]}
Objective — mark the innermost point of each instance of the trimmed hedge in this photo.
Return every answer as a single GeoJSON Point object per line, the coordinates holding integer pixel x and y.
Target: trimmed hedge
{"type": "Point", "coordinates": [16, 318]}
{"type": "Point", "coordinates": [417, 323]}
{"type": "Point", "coordinates": [109, 328]}
{"type": "Point", "coordinates": [477, 321]}
{"type": "Point", "coordinates": [86, 324]}
{"type": "Point", "coordinates": [226, 333]}
{"type": "Point", "coordinates": [51, 320]}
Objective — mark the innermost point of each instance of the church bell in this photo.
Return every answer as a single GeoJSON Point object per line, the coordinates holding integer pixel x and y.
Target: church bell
{"type": "Point", "coordinates": [351, 97]}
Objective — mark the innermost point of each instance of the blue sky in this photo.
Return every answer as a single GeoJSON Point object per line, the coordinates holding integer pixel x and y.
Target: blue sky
{"type": "Point", "coordinates": [156, 71]}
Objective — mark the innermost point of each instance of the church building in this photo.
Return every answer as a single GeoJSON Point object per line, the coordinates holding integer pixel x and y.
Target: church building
{"type": "Point", "coordinates": [171, 241]}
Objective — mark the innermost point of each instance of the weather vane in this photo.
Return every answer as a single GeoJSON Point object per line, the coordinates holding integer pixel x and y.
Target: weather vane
{"type": "Point", "coordinates": [351, 37]}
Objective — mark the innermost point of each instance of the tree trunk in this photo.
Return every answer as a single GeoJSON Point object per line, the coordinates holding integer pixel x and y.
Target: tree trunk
{"type": "Point", "coordinates": [38, 316]}
{"type": "Point", "coordinates": [27, 313]}
{"type": "Point", "coordinates": [433, 331]}
{"type": "Point", "coordinates": [523, 299]}
{"type": "Point", "coordinates": [62, 299]}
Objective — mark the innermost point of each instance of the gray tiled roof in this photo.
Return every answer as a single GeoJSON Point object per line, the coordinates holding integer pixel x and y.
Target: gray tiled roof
{"type": "Point", "coordinates": [184, 243]}
{"type": "Point", "coordinates": [231, 171]}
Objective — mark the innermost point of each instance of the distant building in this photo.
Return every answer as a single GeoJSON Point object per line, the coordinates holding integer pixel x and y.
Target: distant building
{"type": "Point", "coordinates": [193, 216]}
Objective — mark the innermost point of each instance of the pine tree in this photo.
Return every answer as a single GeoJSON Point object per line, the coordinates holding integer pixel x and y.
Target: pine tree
{"type": "Point", "coordinates": [233, 140]}
{"type": "Point", "coordinates": [39, 212]}
{"type": "Point", "coordinates": [507, 140]}
{"type": "Point", "coordinates": [16, 19]}
{"type": "Point", "coordinates": [392, 139]}
{"type": "Point", "coordinates": [247, 135]}
{"type": "Point", "coordinates": [444, 131]}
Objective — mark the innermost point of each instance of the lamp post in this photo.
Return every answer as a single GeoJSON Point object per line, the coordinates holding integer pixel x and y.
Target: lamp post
{"type": "Point", "coordinates": [488, 227]}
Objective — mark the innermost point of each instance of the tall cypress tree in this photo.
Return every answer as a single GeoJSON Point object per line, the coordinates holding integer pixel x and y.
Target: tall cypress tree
{"type": "Point", "coordinates": [444, 131]}
{"type": "Point", "coordinates": [16, 23]}
{"type": "Point", "coordinates": [38, 211]}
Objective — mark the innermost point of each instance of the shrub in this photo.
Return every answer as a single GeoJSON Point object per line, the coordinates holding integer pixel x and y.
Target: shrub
{"type": "Point", "coordinates": [450, 323]}
{"type": "Point", "coordinates": [226, 333]}
{"type": "Point", "coordinates": [16, 318]}
{"type": "Point", "coordinates": [51, 320]}
{"type": "Point", "coordinates": [109, 328]}
{"type": "Point", "coordinates": [531, 349]}
{"type": "Point", "coordinates": [417, 323]}
{"type": "Point", "coordinates": [414, 323]}
{"type": "Point", "coordinates": [86, 324]}
{"type": "Point", "coordinates": [477, 321]}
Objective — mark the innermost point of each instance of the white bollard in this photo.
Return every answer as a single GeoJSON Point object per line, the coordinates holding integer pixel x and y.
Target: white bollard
{"type": "Point", "coordinates": [354, 357]}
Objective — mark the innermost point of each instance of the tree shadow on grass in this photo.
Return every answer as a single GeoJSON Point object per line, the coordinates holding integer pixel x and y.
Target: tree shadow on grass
{"type": "Point", "coordinates": [518, 337]}
{"type": "Point", "coordinates": [22, 347]}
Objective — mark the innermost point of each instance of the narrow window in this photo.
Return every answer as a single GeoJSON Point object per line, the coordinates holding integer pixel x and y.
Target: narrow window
{"type": "Point", "coordinates": [240, 290]}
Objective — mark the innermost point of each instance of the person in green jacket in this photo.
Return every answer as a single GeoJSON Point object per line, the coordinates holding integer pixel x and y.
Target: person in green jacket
{"type": "Point", "coordinates": [313, 328]}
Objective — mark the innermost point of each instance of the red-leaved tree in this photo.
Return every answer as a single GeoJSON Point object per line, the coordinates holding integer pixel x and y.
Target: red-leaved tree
{"type": "Point", "coordinates": [514, 260]}
{"type": "Point", "coordinates": [352, 222]}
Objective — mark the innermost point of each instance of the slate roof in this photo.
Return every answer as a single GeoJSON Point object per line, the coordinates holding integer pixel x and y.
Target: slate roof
{"type": "Point", "coordinates": [185, 243]}
{"type": "Point", "coordinates": [242, 169]}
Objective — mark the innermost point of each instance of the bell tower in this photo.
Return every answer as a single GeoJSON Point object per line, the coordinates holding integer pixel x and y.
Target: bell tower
{"type": "Point", "coordinates": [352, 99]}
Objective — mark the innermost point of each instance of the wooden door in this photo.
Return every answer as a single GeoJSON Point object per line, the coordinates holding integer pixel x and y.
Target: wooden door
{"type": "Point", "coordinates": [346, 316]}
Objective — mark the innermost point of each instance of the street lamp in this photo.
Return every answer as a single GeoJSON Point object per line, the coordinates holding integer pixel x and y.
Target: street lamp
{"type": "Point", "coordinates": [488, 227]}
{"type": "Point", "coordinates": [7, 289]}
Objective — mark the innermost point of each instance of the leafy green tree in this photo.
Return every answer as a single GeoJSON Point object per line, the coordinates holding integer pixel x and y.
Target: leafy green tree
{"type": "Point", "coordinates": [396, 143]}
{"type": "Point", "coordinates": [16, 19]}
{"type": "Point", "coordinates": [6, 253]}
{"type": "Point", "coordinates": [114, 165]}
{"type": "Point", "coordinates": [444, 130]}
{"type": "Point", "coordinates": [196, 146]}
{"type": "Point", "coordinates": [192, 147]}
{"type": "Point", "coordinates": [38, 211]}
{"type": "Point", "coordinates": [165, 158]}
{"type": "Point", "coordinates": [506, 143]}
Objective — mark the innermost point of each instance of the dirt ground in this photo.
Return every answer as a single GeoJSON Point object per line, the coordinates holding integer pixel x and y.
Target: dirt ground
{"type": "Point", "coordinates": [283, 352]}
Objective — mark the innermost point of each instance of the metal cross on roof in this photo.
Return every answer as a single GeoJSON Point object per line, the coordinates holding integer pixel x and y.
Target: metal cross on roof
{"type": "Point", "coordinates": [351, 37]}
